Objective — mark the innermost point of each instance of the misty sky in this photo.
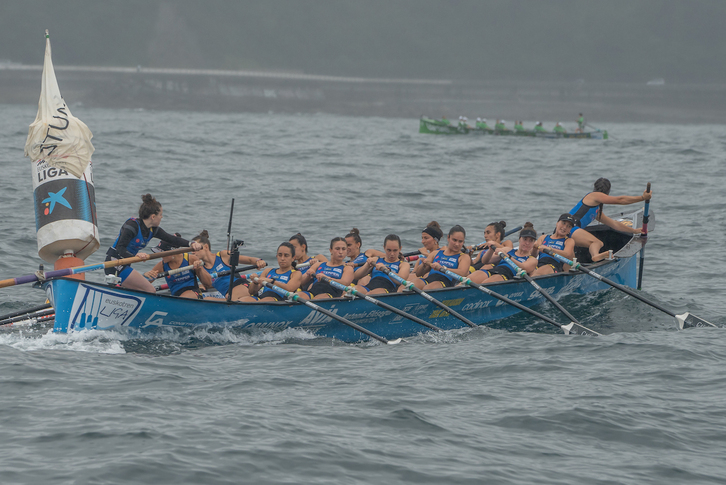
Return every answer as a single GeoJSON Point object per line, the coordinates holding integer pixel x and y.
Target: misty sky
{"type": "Point", "coordinates": [632, 41]}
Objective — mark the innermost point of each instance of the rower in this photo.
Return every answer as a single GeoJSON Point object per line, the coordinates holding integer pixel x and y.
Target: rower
{"type": "Point", "coordinates": [590, 208]}
{"type": "Point", "coordinates": [182, 284]}
{"type": "Point", "coordinates": [285, 276]}
{"type": "Point", "coordinates": [218, 262]}
{"type": "Point", "coordinates": [450, 257]}
{"type": "Point", "coordinates": [481, 123]}
{"type": "Point", "coordinates": [500, 126]}
{"type": "Point", "coordinates": [560, 242]}
{"type": "Point", "coordinates": [445, 120]}
{"type": "Point", "coordinates": [300, 244]}
{"type": "Point", "coordinates": [539, 128]}
{"type": "Point", "coordinates": [518, 126]}
{"type": "Point", "coordinates": [559, 128]}
{"type": "Point", "coordinates": [522, 257]}
{"type": "Point", "coordinates": [134, 235]}
{"type": "Point", "coordinates": [353, 244]}
{"type": "Point", "coordinates": [493, 235]}
{"type": "Point", "coordinates": [335, 269]}
{"type": "Point", "coordinates": [430, 237]}
{"type": "Point", "coordinates": [380, 282]}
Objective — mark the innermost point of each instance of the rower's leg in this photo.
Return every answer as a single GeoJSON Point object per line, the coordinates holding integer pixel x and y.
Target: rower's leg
{"type": "Point", "coordinates": [434, 285]}
{"type": "Point", "coordinates": [546, 269]}
{"type": "Point", "coordinates": [585, 239]}
{"type": "Point", "coordinates": [137, 281]}
{"type": "Point", "coordinates": [418, 283]}
{"type": "Point", "coordinates": [240, 291]}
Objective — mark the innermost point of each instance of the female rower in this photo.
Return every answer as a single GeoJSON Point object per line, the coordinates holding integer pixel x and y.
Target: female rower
{"type": "Point", "coordinates": [353, 243]}
{"type": "Point", "coordinates": [302, 259]}
{"type": "Point", "coordinates": [521, 256]}
{"type": "Point", "coordinates": [450, 257]}
{"type": "Point", "coordinates": [380, 282]}
{"type": "Point", "coordinates": [430, 237]}
{"type": "Point", "coordinates": [218, 262]}
{"type": "Point", "coordinates": [560, 242]}
{"type": "Point", "coordinates": [493, 235]}
{"type": "Point", "coordinates": [590, 208]}
{"type": "Point", "coordinates": [285, 276]}
{"type": "Point", "coordinates": [335, 269]}
{"type": "Point", "coordinates": [182, 284]}
{"type": "Point", "coordinates": [135, 234]}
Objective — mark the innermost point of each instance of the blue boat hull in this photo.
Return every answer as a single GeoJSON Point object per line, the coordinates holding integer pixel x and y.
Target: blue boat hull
{"type": "Point", "coordinates": [83, 305]}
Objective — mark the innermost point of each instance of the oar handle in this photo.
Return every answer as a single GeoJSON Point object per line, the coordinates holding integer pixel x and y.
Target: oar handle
{"type": "Point", "coordinates": [517, 270]}
{"type": "Point", "coordinates": [560, 258]}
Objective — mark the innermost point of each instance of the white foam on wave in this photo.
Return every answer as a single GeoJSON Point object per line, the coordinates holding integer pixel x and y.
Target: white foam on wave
{"type": "Point", "coordinates": [94, 341]}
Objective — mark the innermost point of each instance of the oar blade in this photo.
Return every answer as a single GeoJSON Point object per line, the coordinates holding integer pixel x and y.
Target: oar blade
{"type": "Point", "coordinates": [689, 320]}
{"type": "Point", "coordinates": [394, 342]}
{"type": "Point", "coordinates": [579, 329]}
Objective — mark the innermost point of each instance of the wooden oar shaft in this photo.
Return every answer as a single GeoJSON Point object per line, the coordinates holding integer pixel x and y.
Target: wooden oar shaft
{"type": "Point", "coordinates": [295, 297]}
{"type": "Point", "coordinates": [84, 269]}
{"type": "Point", "coordinates": [351, 289]}
{"type": "Point", "coordinates": [430, 298]}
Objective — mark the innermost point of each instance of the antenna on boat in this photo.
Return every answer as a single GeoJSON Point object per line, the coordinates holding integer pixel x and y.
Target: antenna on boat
{"type": "Point", "coordinates": [229, 226]}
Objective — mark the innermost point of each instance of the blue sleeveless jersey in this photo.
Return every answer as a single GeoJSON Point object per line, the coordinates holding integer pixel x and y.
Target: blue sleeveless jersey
{"type": "Point", "coordinates": [183, 280]}
{"type": "Point", "coordinates": [305, 269]}
{"type": "Point", "coordinates": [335, 272]}
{"type": "Point", "coordinates": [451, 262]}
{"type": "Point", "coordinates": [221, 283]}
{"type": "Point", "coordinates": [138, 242]}
{"type": "Point", "coordinates": [361, 258]}
{"type": "Point", "coordinates": [583, 213]}
{"type": "Point", "coordinates": [376, 273]}
{"type": "Point", "coordinates": [549, 242]}
{"type": "Point", "coordinates": [513, 256]}
{"type": "Point", "coordinates": [274, 275]}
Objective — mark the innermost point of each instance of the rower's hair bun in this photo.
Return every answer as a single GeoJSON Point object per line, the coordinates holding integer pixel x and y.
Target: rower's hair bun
{"type": "Point", "coordinates": [434, 224]}
{"type": "Point", "coordinates": [528, 225]}
{"type": "Point", "coordinates": [503, 224]}
{"type": "Point", "coordinates": [355, 231]}
{"type": "Point", "coordinates": [204, 233]}
{"type": "Point", "coordinates": [147, 199]}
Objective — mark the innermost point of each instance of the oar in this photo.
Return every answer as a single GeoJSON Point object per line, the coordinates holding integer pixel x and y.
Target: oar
{"type": "Point", "coordinates": [44, 313]}
{"type": "Point", "coordinates": [644, 236]}
{"type": "Point", "coordinates": [229, 226]}
{"type": "Point", "coordinates": [567, 329]}
{"type": "Point", "coordinates": [412, 287]}
{"type": "Point", "coordinates": [84, 269]}
{"type": "Point", "coordinates": [237, 270]}
{"type": "Point", "coordinates": [682, 319]}
{"type": "Point", "coordinates": [351, 289]}
{"type": "Point", "coordinates": [520, 272]}
{"type": "Point", "coordinates": [172, 272]}
{"type": "Point", "coordinates": [25, 312]}
{"type": "Point", "coordinates": [296, 298]}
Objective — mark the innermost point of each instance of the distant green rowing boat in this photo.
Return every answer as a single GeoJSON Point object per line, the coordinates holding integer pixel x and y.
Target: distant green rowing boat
{"type": "Point", "coordinates": [438, 127]}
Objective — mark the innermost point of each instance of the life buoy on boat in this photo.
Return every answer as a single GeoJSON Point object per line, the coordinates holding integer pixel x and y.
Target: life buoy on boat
{"type": "Point", "coordinates": [65, 212]}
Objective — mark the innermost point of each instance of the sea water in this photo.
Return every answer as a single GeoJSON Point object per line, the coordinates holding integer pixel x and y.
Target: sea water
{"type": "Point", "coordinates": [644, 404]}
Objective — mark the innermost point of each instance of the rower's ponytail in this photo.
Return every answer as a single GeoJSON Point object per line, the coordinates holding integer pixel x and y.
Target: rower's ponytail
{"type": "Point", "coordinates": [203, 238]}
{"type": "Point", "coordinates": [355, 234]}
{"type": "Point", "coordinates": [149, 206]}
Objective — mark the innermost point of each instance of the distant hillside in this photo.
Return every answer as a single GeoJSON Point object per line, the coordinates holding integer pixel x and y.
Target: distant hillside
{"type": "Point", "coordinates": [614, 40]}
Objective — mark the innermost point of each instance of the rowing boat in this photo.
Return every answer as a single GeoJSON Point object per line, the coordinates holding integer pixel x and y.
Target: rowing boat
{"type": "Point", "coordinates": [83, 305]}
{"type": "Point", "coordinates": [437, 127]}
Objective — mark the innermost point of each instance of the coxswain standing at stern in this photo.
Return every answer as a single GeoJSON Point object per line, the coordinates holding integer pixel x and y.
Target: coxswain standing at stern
{"type": "Point", "coordinates": [135, 234]}
{"type": "Point", "coordinates": [590, 209]}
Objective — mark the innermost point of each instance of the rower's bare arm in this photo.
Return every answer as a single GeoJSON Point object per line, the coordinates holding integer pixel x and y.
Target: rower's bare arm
{"type": "Point", "coordinates": [347, 277]}
{"type": "Point", "coordinates": [363, 270]}
{"type": "Point", "coordinates": [293, 283]}
{"type": "Point", "coordinates": [464, 265]}
{"type": "Point", "coordinates": [404, 270]}
{"type": "Point", "coordinates": [154, 272]}
{"type": "Point", "coordinates": [600, 198]}
{"type": "Point", "coordinates": [619, 226]}
{"type": "Point", "coordinates": [202, 274]}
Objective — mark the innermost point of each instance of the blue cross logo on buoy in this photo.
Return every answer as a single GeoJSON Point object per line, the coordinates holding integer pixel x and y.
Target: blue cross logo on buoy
{"type": "Point", "coordinates": [53, 199]}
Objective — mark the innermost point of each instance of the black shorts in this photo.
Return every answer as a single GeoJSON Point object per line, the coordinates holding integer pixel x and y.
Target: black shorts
{"type": "Point", "coordinates": [322, 287]}
{"type": "Point", "coordinates": [270, 294]}
{"type": "Point", "coordinates": [547, 261]}
{"type": "Point", "coordinates": [448, 282]}
{"type": "Point", "coordinates": [503, 270]}
{"type": "Point", "coordinates": [188, 288]}
{"type": "Point", "coordinates": [381, 282]}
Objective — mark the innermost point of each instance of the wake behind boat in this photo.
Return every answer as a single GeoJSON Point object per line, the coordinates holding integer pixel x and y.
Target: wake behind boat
{"type": "Point", "coordinates": [83, 305]}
